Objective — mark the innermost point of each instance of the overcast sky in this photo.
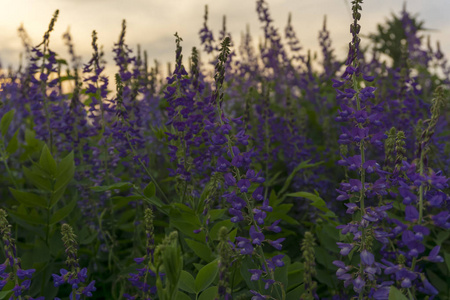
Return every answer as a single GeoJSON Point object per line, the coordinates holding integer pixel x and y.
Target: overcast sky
{"type": "Point", "coordinates": [152, 23]}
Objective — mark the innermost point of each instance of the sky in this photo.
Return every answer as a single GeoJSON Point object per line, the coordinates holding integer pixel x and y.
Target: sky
{"type": "Point", "coordinates": [152, 23]}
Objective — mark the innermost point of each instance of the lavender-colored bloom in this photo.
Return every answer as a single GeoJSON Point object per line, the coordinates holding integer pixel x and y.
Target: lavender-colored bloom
{"type": "Point", "coordinates": [277, 260]}
{"type": "Point", "coordinates": [277, 243]}
{"type": "Point", "coordinates": [256, 236]}
{"type": "Point", "coordinates": [367, 258]}
{"type": "Point", "coordinates": [274, 227]}
{"type": "Point", "coordinates": [358, 284]}
{"type": "Point", "coordinates": [245, 245]}
{"type": "Point", "coordinates": [411, 213]}
{"type": "Point", "coordinates": [256, 274]}
{"type": "Point", "coordinates": [22, 274]}
{"type": "Point", "coordinates": [243, 185]}
{"type": "Point", "coordinates": [229, 179]}
{"type": "Point", "coordinates": [434, 257]}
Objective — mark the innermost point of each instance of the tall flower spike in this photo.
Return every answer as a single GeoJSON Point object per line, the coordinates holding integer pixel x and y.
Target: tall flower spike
{"type": "Point", "coordinates": [75, 276]}
{"type": "Point", "coordinates": [225, 260]}
{"type": "Point", "coordinates": [20, 277]}
{"type": "Point", "coordinates": [148, 219]}
{"type": "Point", "coordinates": [307, 248]}
{"type": "Point", "coordinates": [437, 106]}
{"type": "Point", "coordinates": [219, 77]}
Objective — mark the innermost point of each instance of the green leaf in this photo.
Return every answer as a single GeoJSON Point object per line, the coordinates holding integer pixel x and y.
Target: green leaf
{"type": "Point", "coordinates": [63, 212]}
{"type": "Point", "coordinates": [216, 213]}
{"type": "Point", "coordinates": [295, 275]}
{"type": "Point", "coordinates": [6, 121]}
{"type": "Point", "coordinates": [182, 296]}
{"type": "Point", "coordinates": [395, 294]}
{"type": "Point", "coordinates": [28, 199]}
{"type": "Point", "coordinates": [248, 263]}
{"type": "Point", "coordinates": [37, 180]}
{"type": "Point", "coordinates": [47, 162]}
{"type": "Point", "coordinates": [150, 190]}
{"type": "Point", "coordinates": [209, 293]}
{"type": "Point", "coordinates": [56, 196]}
{"type": "Point", "coordinates": [303, 165]}
{"type": "Point", "coordinates": [317, 202]}
{"type": "Point", "coordinates": [32, 218]}
{"type": "Point", "coordinates": [65, 171]}
{"type": "Point", "coordinates": [206, 276]}
{"type": "Point", "coordinates": [447, 260]}
{"type": "Point", "coordinates": [214, 232]}
{"type": "Point", "coordinates": [122, 186]}
{"type": "Point", "coordinates": [186, 282]}
{"type": "Point", "coordinates": [13, 144]}
{"type": "Point", "coordinates": [200, 249]}
{"type": "Point", "coordinates": [296, 293]}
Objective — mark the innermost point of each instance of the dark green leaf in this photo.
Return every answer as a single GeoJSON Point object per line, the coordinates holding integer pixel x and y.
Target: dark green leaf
{"type": "Point", "coordinates": [63, 212]}
{"type": "Point", "coordinates": [182, 296]}
{"type": "Point", "coordinates": [122, 186]}
{"type": "Point", "coordinates": [37, 180]}
{"type": "Point", "coordinates": [214, 232]}
{"type": "Point", "coordinates": [13, 144]}
{"type": "Point", "coordinates": [303, 165]}
{"type": "Point", "coordinates": [200, 249]}
{"type": "Point", "coordinates": [6, 121]}
{"type": "Point", "coordinates": [47, 162]}
{"type": "Point", "coordinates": [186, 282]}
{"type": "Point", "coordinates": [56, 196]}
{"type": "Point", "coordinates": [395, 294]}
{"type": "Point", "coordinates": [295, 293]}
{"type": "Point", "coordinates": [206, 276]}
{"type": "Point", "coordinates": [209, 293]}
{"type": "Point", "coordinates": [32, 218]}
{"type": "Point", "coordinates": [65, 171]}
{"type": "Point", "coordinates": [29, 199]}
{"type": "Point", "coordinates": [150, 190]}
{"type": "Point", "coordinates": [216, 213]}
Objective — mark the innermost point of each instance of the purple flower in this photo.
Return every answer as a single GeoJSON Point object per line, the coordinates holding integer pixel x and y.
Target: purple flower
{"type": "Point", "coordinates": [256, 274]}
{"type": "Point", "coordinates": [22, 274]}
{"type": "Point", "coordinates": [229, 179]}
{"type": "Point", "coordinates": [274, 227]}
{"type": "Point", "coordinates": [243, 185]}
{"type": "Point", "coordinates": [277, 260]}
{"type": "Point", "coordinates": [367, 258]}
{"type": "Point", "coordinates": [256, 236]}
{"type": "Point", "coordinates": [358, 284]}
{"type": "Point", "coordinates": [345, 248]}
{"type": "Point", "coordinates": [258, 194]}
{"type": "Point", "coordinates": [245, 245]}
{"type": "Point", "coordinates": [277, 243]}
{"type": "Point", "coordinates": [434, 257]}
{"type": "Point", "coordinates": [411, 213]}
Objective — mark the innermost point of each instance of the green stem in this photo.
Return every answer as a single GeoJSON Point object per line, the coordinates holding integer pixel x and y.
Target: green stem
{"type": "Point", "coordinates": [147, 171]}
{"type": "Point", "coordinates": [8, 170]}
